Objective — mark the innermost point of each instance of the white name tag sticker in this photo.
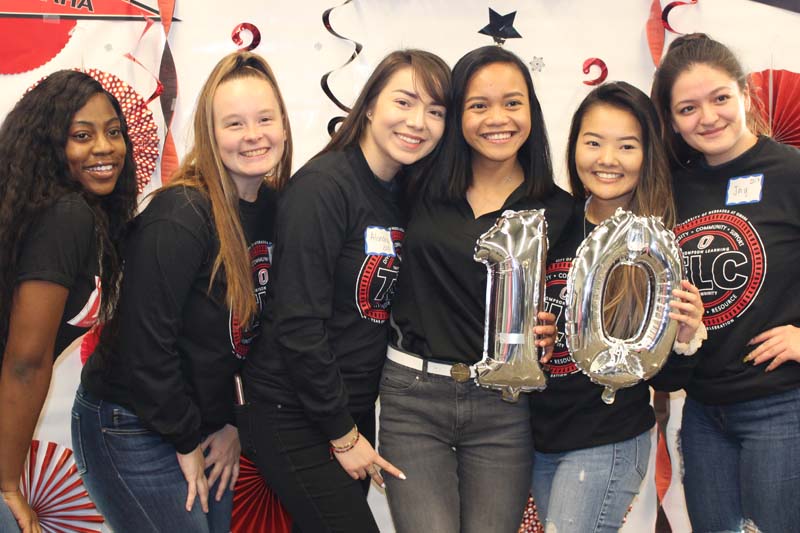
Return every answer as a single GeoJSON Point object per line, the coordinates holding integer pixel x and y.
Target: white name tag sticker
{"type": "Point", "coordinates": [744, 189]}
{"type": "Point", "coordinates": [378, 241]}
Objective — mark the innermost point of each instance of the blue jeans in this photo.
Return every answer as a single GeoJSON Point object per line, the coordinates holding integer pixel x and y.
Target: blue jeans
{"type": "Point", "coordinates": [8, 524]}
{"type": "Point", "coordinates": [466, 453]}
{"type": "Point", "coordinates": [742, 464]}
{"type": "Point", "coordinates": [589, 490]}
{"type": "Point", "coordinates": [132, 473]}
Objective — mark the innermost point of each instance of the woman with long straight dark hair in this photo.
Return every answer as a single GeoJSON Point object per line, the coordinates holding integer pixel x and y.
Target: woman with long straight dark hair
{"type": "Point", "coordinates": [311, 384]}
{"type": "Point", "coordinates": [466, 452]}
{"type": "Point", "coordinates": [738, 204]}
{"type": "Point", "coordinates": [67, 193]}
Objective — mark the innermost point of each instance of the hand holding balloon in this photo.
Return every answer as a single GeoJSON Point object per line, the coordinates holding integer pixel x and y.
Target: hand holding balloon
{"type": "Point", "coordinates": [688, 310]}
{"type": "Point", "coordinates": [779, 344]}
{"type": "Point", "coordinates": [547, 332]}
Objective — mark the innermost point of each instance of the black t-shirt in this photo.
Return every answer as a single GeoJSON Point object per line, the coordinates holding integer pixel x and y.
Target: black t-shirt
{"type": "Point", "coordinates": [570, 414]}
{"type": "Point", "coordinates": [339, 242]}
{"type": "Point", "coordinates": [740, 235]}
{"type": "Point", "coordinates": [439, 310]}
{"type": "Point", "coordinates": [61, 247]}
{"type": "Point", "coordinates": [178, 344]}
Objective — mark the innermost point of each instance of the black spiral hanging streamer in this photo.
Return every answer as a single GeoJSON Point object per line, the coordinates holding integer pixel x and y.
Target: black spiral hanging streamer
{"type": "Point", "coordinates": [335, 121]}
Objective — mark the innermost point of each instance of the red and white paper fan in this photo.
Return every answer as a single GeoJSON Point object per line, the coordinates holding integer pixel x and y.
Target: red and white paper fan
{"type": "Point", "coordinates": [779, 95]}
{"type": "Point", "coordinates": [256, 509]}
{"type": "Point", "coordinates": [54, 490]}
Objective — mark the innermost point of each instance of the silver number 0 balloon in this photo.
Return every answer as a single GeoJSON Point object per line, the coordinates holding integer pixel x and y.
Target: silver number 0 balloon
{"type": "Point", "coordinates": [514, 251]}
{"type": "Point", "coordinates": [623, 239]}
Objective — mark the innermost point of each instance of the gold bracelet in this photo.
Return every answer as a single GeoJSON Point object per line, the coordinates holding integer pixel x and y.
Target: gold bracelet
{"type": "Point", "coordinates": [347, 446]}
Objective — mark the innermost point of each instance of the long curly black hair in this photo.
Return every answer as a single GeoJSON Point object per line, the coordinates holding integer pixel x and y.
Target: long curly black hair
{"type": "Point", "coordinates": [34, 174]}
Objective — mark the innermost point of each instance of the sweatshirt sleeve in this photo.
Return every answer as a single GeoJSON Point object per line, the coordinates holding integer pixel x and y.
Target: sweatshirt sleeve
{"type": "Point", "coordinates": [676, 372]}
{"type": "Point", "coordinates": [310, 232]}
{"type": "Point", "coordinates": [163, 259]}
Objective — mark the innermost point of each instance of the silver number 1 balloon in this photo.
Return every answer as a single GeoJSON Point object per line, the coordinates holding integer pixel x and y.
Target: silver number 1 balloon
{"type": "Point", "coordinates": [514, 251]}
{"type": "Point", "coordinates": [623, 239]}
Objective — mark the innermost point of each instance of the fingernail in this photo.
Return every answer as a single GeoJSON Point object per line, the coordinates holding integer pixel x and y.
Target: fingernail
{"type": "Point", "coordinates": [383, 485]}
{"type": "Point", "coordinates": [402, 476]}
{"type": "Point", "coordinates": [746, 359]}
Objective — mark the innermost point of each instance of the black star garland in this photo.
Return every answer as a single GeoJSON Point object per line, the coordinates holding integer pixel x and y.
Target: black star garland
{"type": "Point", "coordinates": [500, 27]}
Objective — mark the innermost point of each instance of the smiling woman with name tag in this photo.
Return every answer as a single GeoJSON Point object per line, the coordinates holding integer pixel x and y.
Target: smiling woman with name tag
{"type": "Point", "coordinates": [738, 203]}
{"type": "Point", "coordinates": [311, 386]}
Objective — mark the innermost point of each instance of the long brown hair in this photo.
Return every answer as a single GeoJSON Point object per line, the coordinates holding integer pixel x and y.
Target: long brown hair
{"type": "Point", "coordinates": [623, 308]}
{"type": "Point", "coordinates": [203, 169]}
{"type": "Point", "coordinates": [683, 53]}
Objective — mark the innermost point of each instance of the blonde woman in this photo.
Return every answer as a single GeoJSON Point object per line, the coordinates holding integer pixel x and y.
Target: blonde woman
{"type": "Point", "coordinates": [153, 421]}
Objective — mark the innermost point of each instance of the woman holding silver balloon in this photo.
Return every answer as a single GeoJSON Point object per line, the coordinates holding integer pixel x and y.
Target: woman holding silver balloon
{"type": "Point", "coordinates": [591, 456]}
{"type": "Point", "coordinates": [738, 208]}
{"type": "Point", "coordinates": [466, 452]}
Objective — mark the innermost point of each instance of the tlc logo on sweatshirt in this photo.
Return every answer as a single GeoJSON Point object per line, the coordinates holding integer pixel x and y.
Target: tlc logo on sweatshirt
{"type": "Point", "coordinates": [724, 258]}
{"type": "Point", "coordinates": [378, 275]}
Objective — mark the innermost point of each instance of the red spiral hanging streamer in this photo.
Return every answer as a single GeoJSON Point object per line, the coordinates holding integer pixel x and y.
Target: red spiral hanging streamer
{"type": "Point", "coordinates": [326, 20]}
{"type": "Point", "coordinates": [595, 62]}
{"type": "Point", "coordinates": [669, 8]}
{"type": "Point", "coordinates": [236, 36]}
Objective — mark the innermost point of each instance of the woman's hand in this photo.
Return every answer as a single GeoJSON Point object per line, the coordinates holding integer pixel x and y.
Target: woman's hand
{"type": "Point", "coordinates": [362, 460]}
{"type": "Point", "coordinates": [224, 451]}
{"type": "Point", "coordinates": [688, 310]}
{"type": "Point", "coordinates": [193, 467]}
{"type": "Point", "coordinates": [26, 518]}
{"type": "Point", "coordinates": [546, 331]}
{"type": "Point", "coordinates": [779, 344]}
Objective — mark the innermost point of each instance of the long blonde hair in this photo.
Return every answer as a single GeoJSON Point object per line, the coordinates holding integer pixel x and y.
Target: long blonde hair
{"type": "Point", "coordinates": [203, 169]}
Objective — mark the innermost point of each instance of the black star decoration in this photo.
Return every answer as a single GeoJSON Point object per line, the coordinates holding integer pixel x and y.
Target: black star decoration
{"type": "Point", "coordinates": [500, 27]}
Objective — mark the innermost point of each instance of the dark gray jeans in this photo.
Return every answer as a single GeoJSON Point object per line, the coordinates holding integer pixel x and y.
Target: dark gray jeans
{"type": "Point", "coordinates": [466, 453]}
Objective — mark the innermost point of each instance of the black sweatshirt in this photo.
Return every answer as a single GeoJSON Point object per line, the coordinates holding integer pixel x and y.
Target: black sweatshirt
{"type": "Point", "coordinates": [339, 234]}
{"type": "Point", "coordinates": [441, 298]}
{"type": "Point", "coordinates": [570, 414]}
{"type": "Point", "coordinates": [178, 345]}
{"type": "Point", "coordinates": [740, 234]}
{"type": "Point", "coordinates": [61, 247]}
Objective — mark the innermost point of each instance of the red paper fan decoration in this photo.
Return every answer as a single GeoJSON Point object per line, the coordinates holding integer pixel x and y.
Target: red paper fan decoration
{"type": "Point", "coordinates": [779, 95]}
{"type": "Point", "coordinates": [256, 509]}
{"type": "Point", "coordinates": [530, 519]}
{"type": "Point", "coordinates": [142, 128]}
{"type": "Point", "coordinates": [54, 490]}
{"type": "Point", "coordinates": [29, 44]}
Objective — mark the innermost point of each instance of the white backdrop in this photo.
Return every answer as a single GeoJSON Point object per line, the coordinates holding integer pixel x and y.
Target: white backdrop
{"type": "Point", "coordinates": [294, 40]}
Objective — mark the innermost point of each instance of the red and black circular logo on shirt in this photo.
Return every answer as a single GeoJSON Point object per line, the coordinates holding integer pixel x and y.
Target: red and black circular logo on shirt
{"type": "Point", "coordinates": [724, 258]}
{"type": "Point", "coordinates": [555, 298]}
{"type": "Point", "coordinates": [260, 262]}
{"type": "Point", "coordinates": [378, 275]}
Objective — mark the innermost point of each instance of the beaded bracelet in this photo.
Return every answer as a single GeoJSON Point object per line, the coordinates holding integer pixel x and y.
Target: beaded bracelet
{"type": "Point", "coordinates": [346, 447]}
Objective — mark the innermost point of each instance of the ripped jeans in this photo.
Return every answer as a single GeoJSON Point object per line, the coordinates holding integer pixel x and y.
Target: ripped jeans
{"type": "Point", "coordinates": [589, 490]}
{"type": "Point", "coordinates": [742, 464]}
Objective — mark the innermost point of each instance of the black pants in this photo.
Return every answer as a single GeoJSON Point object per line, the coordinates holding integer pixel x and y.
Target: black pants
{"type": "Point", "coordinates": [294, 458]}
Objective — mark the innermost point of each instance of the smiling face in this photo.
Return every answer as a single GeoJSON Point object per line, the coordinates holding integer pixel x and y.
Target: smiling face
{"type": "Point", "coordinates": [95, 147]}
{"type": "Point", "coordinates": [608, 157]}
{"type": "Point", "coordinates": [248, 128]}
{"type": "Point", "coordinates": [709, 111]}
{"type": "Point", "coordinates": [497, 115]}
{"type": "Point", "coordinates": [405, 124]}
